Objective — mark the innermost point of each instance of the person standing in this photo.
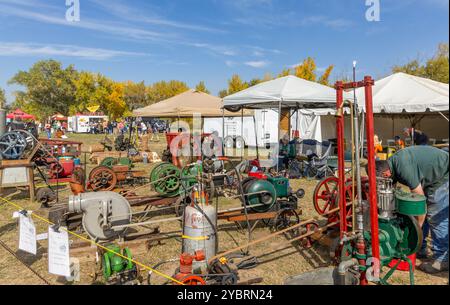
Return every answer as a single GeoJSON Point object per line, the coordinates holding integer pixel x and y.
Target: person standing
{"type": "Point", "coordinates": [419, 138]}
{"type": "Point", "coordinates": [424, 169]}
{"type": "Point", "coordinates": [143, 127]}
{"type": "Point", "coordinates": [48, 130]}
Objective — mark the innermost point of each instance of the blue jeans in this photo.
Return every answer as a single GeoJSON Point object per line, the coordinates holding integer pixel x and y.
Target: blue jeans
{"type": "Point", "coordinates": [49, 134]}
{"type": "Point", "coordinates": [436, 223]}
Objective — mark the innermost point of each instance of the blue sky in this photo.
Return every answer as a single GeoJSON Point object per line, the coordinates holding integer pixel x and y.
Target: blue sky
{"type": "Point", "coordinates": [194, 40]}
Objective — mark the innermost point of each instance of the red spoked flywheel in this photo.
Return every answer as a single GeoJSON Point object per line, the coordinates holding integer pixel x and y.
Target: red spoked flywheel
{"type": "Point", "coordinates": [326, 197]}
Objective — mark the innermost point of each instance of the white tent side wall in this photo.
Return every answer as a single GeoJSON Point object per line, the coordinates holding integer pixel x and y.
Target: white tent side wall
{"type": "Point", "coordinates": [323, 127]}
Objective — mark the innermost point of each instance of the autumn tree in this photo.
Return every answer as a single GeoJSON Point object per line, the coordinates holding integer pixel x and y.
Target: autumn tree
{"type": "Point", "coordinates": [435, 68]}
{"type": "Point", "coordinates": [223, 93]}
{"type": "Point", "coordinates": [201, 87]}
{"type": "Point", "coordinates": [324, 78]}
{"type": "Point", "coordinates": [235, 84]}
{"type": "Point", "coordinates": [285, 72]}
{"type": "Point", "coordinates": [163, 90]}
{"type": "Point", "coordinates": [48, 88]}
{"type": "Point", "coordinates": [254, 82]}
{"type": "Point", "coordinates": [2, 98]}
{"type": "Point", "coordinates": [97, 89]}
{"type": "Point", "coordinates": [306, 70]}
{"type": "Point", "coordinates": [135, 94]}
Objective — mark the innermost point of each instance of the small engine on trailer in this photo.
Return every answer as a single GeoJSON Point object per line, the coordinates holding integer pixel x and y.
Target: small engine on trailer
{"type": "Point", "coordinates": [400, 235]}
{"type": "Point", "coordinates": [118, 270]}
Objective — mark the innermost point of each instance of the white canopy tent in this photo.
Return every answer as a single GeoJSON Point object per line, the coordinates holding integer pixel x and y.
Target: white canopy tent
{"type": "Point", "coordinates": [286, 92]}
{"type": "Point", "coordinates": [289, 92]}
{"type": "Point", "coordinates": [399, 100]}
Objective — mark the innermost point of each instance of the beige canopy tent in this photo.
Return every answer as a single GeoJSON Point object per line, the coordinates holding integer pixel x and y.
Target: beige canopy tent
{"type": "Point", "coordinates": [185, 105]}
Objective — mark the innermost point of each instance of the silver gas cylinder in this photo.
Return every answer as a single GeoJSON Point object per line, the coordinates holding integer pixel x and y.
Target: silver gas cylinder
{"type": "Point", "coordinates": [199, 232]}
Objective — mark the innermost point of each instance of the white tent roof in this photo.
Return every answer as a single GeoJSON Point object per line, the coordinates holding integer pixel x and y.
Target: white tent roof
{"type": "Point", "coordinates": [290, 90]}
{"type": "Point", "coordinates": [402, 92]}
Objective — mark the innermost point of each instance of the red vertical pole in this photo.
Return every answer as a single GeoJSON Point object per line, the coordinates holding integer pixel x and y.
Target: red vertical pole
{"type": "Point", "coordinates": [368, 83]}
{"type": "Point", "coordinates": [341, 161]}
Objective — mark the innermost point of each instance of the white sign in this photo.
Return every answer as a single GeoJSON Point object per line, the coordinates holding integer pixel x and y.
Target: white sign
{"type": "Point", "coordinates": [58, 252]}
{"type": "Point", "coordinates": [27, 234]}
{"type": "Point", "coordinates": [15, 175]}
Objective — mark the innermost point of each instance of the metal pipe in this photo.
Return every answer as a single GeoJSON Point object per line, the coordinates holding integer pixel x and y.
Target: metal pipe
{"type": "Point", "coordinates": [368, 83]}
{"type": "Point", "coordinates": [359, 216]}
{"type": "Point", "coordinates": [256, 137]}
{"type": "Point", "coordinates": [279, 136]}
{"type": "Point", "coordinates": [341, 163]}
{"type": "Point", "coordinates": [2, 121]}
{"type": "Point", "coordinates": [223, 132]}
{"type": "Point", "coordinates": [242, 132]}
{"type": "Point", "coordinates": [342, 269]}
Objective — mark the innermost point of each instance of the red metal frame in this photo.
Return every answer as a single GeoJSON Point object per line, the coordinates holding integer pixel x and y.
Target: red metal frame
{"type": "Point", "coordinates": [367, 83]}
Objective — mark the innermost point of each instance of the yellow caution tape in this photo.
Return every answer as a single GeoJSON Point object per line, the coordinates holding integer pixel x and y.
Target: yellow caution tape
{"type": "Point", "coordinates": [195, 238]}
{"type": "Point", "coordinates": [94, 243]}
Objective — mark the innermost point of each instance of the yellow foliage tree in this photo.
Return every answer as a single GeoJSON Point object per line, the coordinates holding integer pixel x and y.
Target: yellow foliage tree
{"type": "Point", "coordinates": [324, 79]}
{"type": "Point", "coordinates": [307, 70]}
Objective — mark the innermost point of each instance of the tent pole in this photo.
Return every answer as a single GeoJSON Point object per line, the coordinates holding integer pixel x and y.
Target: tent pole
{"type": "Point", "coordinates": [279, 135]}
{"type": "Point", "coordinates": [443, 116]}
{"type": "Point", "coordinates": [242, 131]}
{"type": "Point", "coordinates": [223, 131]}
{"type": "Point", "coordinates": [256, 137]}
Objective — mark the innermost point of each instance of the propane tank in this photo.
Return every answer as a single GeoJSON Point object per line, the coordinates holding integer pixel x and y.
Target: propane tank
{"type": "Point", "coordinates": [199, 226]}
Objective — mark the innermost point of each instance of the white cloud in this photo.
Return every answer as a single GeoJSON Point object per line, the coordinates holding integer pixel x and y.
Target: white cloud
{"type": "Point", "coordinates": [257, 64]}
{"type": "Point", "coordinates": [121, 10]}
{"type": "Point", "coordinates": [85, 24]}
{"type": "Point", "coordinates": [37, 49]}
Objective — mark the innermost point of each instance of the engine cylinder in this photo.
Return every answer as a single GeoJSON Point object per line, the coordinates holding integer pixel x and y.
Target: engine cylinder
{"type": "Point", "coordinates": [386, 199]}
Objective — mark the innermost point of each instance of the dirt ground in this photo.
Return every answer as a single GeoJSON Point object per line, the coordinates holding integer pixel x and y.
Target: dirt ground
{"type": "Point", "coordinates": [278, 259]}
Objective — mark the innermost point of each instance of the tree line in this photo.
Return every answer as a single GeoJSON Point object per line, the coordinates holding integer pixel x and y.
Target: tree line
{"type": "Point", "coordinates": [50, 88]}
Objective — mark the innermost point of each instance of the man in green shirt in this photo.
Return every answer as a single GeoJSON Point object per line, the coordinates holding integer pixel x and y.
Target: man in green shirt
{"type": "Point", "coordinates": [424, 169]}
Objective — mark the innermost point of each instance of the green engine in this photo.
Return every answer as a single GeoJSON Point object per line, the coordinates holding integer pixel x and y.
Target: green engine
{"type": "Point", "coordinates": [117, 269]}
{"type": "Point", "coordinates": [399, 232]}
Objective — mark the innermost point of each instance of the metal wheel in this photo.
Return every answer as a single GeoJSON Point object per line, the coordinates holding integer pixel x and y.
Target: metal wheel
{"type": "Point", "coordinates": [13, 145]}
{"type": "Point", "coordinates": [102, 178]}
{"type": "Point", "coordinates": [30, 139]}
{"type": "Point", "coordinates": [45, 196]}
{"type": "Point", "coordinates": [192, 280]}
{"type": "Point", "coordinates": [166, 179]}
{"type": "Point", "coordinates": [325, 195]}
{"type": "Point", "coordinates": [285, 219]}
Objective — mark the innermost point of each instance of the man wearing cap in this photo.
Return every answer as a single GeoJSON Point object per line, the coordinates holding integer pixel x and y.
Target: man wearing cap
{"type": "Point", "coordinates": [420, 138]}
{"type": "Point", "coordinates": [424, 169]}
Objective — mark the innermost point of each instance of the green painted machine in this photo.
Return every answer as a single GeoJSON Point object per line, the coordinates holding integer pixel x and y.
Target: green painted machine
{"type": "Point", "coordinates": [400, 235]}
{"type": "Point", "coordinates": [118, 269]}
{"type": "Point", "coordinates": [111, 161]}
{"type": "Point", "coordinates": [169, 181]}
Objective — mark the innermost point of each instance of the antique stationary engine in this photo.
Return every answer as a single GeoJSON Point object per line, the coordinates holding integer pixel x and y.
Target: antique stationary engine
{"type": "Point", "coordinates": [400, 235]}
